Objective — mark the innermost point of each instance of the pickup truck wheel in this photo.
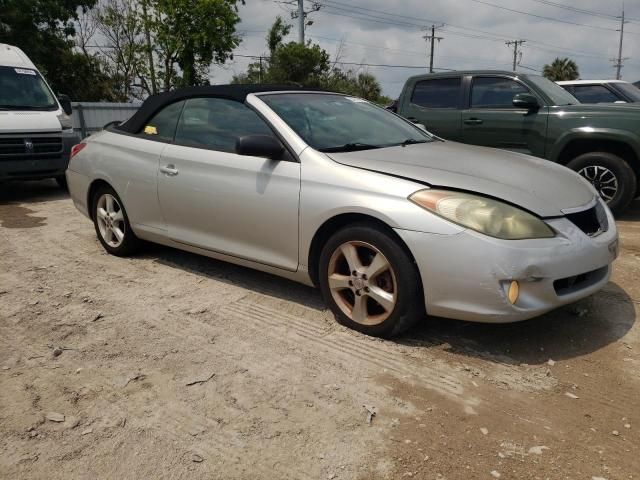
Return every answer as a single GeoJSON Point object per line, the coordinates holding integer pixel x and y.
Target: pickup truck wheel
{"type": "Point", "coordinates": [112, 223]}
{"type": "Point", "coordinates": [610, 175]}
{"type": "Point", "coordinates": [370, 283]}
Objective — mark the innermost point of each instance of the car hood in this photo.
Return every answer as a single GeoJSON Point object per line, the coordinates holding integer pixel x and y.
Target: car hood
{"type": "Point", "coordinates": [537, 185]}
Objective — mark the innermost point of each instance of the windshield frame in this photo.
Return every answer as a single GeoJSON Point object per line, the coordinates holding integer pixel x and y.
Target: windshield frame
{"type": "Point", "coordinates": [51, 107]}
{"type": "Point", "coordinates": [421, 134]}
{"type": "Point", "coordinates": [628, 90]}
{"type": "Point", "coordinates": [554, 93]}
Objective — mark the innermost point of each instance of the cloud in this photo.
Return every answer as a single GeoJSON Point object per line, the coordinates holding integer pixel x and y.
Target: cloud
{"type": "Point", "coordinates": [473, 35]}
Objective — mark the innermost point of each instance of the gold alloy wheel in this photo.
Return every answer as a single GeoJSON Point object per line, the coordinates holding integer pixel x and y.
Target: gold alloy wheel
{"type": "Point", "coordinates": [362, 283]}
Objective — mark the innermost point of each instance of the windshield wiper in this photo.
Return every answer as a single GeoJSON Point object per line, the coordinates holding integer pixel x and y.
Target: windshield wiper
{"type": "Point", "coordinates": [411, 141]}
{"type": "Point", "coordinates": [350, 147]}
{"type": "Point", "coordinates": [21, 107]}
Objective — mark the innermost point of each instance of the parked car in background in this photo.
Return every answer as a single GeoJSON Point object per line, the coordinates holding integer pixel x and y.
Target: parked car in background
{"type": "Point", "coordinates": [36, 134]}
{"type": "Point", "coordinates": [333, 191]}
{"type": "Point", "coordinates": [602, 91]}
{"type": "Point", "coordinates": [637, 84]}
{"type": "Point", "coordinates": [530, 114]}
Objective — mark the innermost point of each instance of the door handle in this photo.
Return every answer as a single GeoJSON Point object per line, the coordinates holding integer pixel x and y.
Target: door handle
{"type": "Point", "coordinates": [170, 170]}
{"type": "Point", "coordinates": [473, 121]}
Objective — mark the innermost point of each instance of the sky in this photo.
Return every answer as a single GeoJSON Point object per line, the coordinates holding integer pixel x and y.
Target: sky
{"type": "Point", "coordinates": [390, 32]}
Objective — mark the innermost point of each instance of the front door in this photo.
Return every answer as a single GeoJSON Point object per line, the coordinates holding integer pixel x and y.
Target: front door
{"type": "Point", "coordinates": [212, 198]}
{"type": "Point", "coordinates": [491, 120]}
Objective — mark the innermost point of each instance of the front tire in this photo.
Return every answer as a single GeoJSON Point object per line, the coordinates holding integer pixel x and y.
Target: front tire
{"type": "Point", "coordinates": [610, 175]}
{"type": "Point", "coordinates": [370, 282]}
{"type": "Point", "coordinates": [112, 224]}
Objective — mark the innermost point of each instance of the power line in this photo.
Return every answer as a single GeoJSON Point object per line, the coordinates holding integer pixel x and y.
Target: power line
{"type": "Point", "coordinates": [583, 11]}
{"type": "Point", "coordinates": [567, 22]}
{"type": "Point", "coordinates": [489, 36]}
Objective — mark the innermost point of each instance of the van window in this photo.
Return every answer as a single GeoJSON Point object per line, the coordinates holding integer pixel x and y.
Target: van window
{"type": "Point", "coordinates": [594, 94]}
{"type": "Point", "coordinates": [437, 93]}
{"type": "Point", "coordinates": [24, 89]}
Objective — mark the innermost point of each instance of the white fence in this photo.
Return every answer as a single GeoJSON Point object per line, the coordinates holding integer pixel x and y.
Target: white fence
{"type": "Point", "coordinates": [89, 117]}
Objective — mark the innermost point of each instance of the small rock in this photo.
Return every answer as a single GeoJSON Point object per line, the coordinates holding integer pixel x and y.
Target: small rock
{"type": "Point", "coordinates": [34, 303]}
{"type": "Point", "coordinates": [495, 474]}
{"type": "Point", "coordinates": [616, 433]}
{"type": "Point", "coordinates": [598, 478]}
{"type": "Point", "coordinates": [78, 370]}
{"type": "Point", "coordinates": [57, 352]}
{"type": "Point", "coordinates": [627, 425]}
{"type": "Point", "coordinates": [72, 422]}
{"type": "Point", "coordinates": [6, 367]}
{"type": "Point", "coordinates": [87, 431]}
{"type": "Point", "coordinates": [331, 476]}
{"type": "Point", "coordinates": [571, 395]}
{"type": "Point", "coordinates": [33, 434]}
{"type": "Point", "coordinates": [537, 450]}
{"type": "Point", "coordinates": [484, 431]}
{"type": "Point", "coordinates": [551, 363]}
{"type": "Point", "coordinates": [67, 294]}
{"type": "Point", "coordinates": [196, 458]}
{"type": "Point", "coordinates": [55, 417]}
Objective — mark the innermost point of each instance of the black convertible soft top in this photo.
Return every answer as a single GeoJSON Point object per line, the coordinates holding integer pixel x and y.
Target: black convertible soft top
{"type": "Point", "coordinates": [233, 92]}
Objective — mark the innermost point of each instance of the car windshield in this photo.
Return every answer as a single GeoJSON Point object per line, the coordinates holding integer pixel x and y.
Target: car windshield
{"type": "Point", "coordinates": [24, 89]}
{"type": "Point", "coordinates": [339, 123]}
{"type": "Point", "coordinates": [557, 94]}
{"type": "Point", "coordinates": [629, 90]}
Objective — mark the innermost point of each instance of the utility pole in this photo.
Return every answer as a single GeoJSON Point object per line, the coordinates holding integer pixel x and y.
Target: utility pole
{"type": "Point", "coordinates": [617, 62]}
{"type": "Point", "coordinates": [516, 51]}
{"type": "Point", "coordinates": [301, 15]}
{"type": "Point", "coordinates": [432, 40]}
{"type": "Point", "coordinates": [301, 22]}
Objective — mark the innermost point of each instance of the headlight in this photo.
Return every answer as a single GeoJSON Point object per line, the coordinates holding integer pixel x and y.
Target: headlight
{"type": "Point", "coordinates": [482, 214]}
{"type": "Point", "coordinates": [65, 121]}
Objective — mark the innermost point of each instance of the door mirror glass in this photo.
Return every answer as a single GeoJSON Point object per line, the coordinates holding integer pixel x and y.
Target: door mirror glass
{"type": "Point", "coordinates": [259, 146]}
{"type": "Point", "coordinates": [65, 103]}
{"type": "Point", "coordinates": [526, 101]}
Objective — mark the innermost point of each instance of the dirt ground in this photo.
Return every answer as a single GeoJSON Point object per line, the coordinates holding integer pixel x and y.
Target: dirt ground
{"type": "Point", "coordinates": [171, 365]}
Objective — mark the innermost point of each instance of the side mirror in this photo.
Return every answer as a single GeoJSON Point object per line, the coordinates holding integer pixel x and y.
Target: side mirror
{"type": "Point", "coordinates": [526, 101]}
{"type": "Point", "coordinates": [260, 146]}
{"type": "Point", "coordinates": [65, 103]}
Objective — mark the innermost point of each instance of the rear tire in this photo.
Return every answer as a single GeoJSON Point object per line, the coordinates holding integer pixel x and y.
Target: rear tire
{"type": "Point", "coordinates": [112, 223]}
{"type": "Point", "coordinates": [610, 175]}
{"type": "Point", "coordinates": [370, 281]}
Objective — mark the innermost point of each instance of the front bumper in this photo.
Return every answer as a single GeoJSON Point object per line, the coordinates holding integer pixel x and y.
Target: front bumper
{"type": "Point", "coordinates": [466, 276]}
{"type": "Point", "coordinates": [39, 166]}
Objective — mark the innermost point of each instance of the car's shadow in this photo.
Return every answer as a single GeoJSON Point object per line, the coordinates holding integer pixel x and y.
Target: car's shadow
{"type": "Point", "coordinates": [631, 213]}
{"type": "Point", "coordinates": [31, 191]}
{"type": "Point", "coordinates": [570, 331]}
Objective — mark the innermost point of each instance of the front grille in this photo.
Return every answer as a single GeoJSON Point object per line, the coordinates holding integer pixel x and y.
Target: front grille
{"type": "Point", "coordinates": [592, 222]}
{"type": "Point", "coordinates": [565, 286]}
{"type": "Point", "coordinates": [15, 148]}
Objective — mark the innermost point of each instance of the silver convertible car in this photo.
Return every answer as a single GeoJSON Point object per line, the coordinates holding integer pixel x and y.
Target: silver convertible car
{"type": "Point", "coordinates": [389, 221]}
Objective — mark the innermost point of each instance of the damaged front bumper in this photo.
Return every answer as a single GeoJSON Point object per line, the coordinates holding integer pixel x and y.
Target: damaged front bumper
{"type": "Point", "coordinates": [466, 276]}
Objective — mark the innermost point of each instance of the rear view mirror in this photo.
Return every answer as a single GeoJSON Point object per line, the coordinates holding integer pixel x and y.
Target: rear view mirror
{"type": "Point", "coordinates": [65, 103]}
{"type": "Point", "coordinates": [260, 146]}
{"type": "Point", "coordinates": [526, 101]}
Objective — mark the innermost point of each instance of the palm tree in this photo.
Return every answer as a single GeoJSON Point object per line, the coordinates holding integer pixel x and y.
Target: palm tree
{"type": "Point", "coordinates": [561, 69]}
{"type": "Point", "coordinates": [367, 86]}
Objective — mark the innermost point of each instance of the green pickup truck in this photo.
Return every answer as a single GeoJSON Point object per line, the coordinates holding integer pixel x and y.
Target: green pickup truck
{"type": "Point", "coordinates": [532, 115]}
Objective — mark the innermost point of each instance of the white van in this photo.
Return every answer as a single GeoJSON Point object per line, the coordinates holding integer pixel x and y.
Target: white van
{"type": "Point", "coordinates": [36, 134]}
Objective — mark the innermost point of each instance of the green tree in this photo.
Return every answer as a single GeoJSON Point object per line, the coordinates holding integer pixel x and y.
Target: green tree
{"type": "Point", "coordinates": [43, 29]}
{"type": "Point", "coordinates": [561, 69]}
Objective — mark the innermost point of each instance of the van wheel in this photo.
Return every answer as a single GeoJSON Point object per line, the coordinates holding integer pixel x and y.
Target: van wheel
{"type": "Point", "coordinates": [611, 176]}
{"type": "Point", "coordinates": [370, 282]}
{"type": "Point", "coordinates": [112, 224]}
